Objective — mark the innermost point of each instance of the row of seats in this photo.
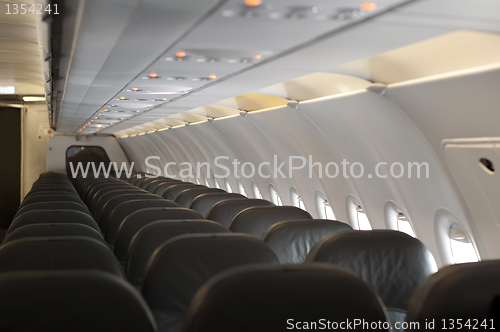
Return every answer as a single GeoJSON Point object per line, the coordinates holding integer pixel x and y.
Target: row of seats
{"type": "Point", "coordinates": [207, 260]}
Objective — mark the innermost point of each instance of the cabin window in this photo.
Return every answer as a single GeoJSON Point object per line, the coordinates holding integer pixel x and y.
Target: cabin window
{"type": "Point", "coordinates": [296, 199]}
{"type": "Point", "coordinates": [198, 181]}
{"type": "Point", "coordinates": [216, 184]}
{"type": "Point", "coordinates": [206, 182]}
{"type": "Point", "coordinates": [275, 197]}
{"type": "Point", "coordinates": [256, 191]}
{"type": "Point", "coordinates": [85, 156]}
{"type": "Point", "coordinates": [241, 189]}
{"type": "Point", "coordinates": [462, 249]}
{"type": "Point", "coordinates": [323, 207]}
{"type": "Point", "coordinates": [228, 187]}
{"type": "Point", "coordinates": [328, 211]}
{"type": "Point", "coordinates": [363, 222]}
{"type": "Point", "coordinates": [404, 225]}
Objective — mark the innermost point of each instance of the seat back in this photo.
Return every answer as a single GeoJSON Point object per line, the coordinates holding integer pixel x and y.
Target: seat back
{"type": "Point", "coordinates": [462, 291]}
{"type": "Point", "coordinates": [154, 184]}
{"type": "Point", "coordinates": [62, 301]}
{"type": "Point", "coordinates": [256, 220]}
{"type": "Point", "coordinates": [280, 297]}
{"type": "Point", "coordinates": [53, 230]}
{"type": "Point", "coordinates": [391, 262]}
{"type": "Point", "coordinates": [292, 240]}
{"type": "Point", "coordinates": [52, 216]}
{"type": "Point", "coordinates": [151, 236]}
{"type": "Point", "coordinates": [204, 202]}
{"type": "Point", "coordinates": [225, 211]}
{"type": "Point", "coordinates": [51, 198]}
{"type": "Point", "coordinates": [115, 201]}
{"type": "Point", "coordinates": [182, 265]}
{"type": "Point", "coordinates": [185, 197]}
{"type": "Point", "coordinates": [58, 253]}
{"type": "Point", "coordinates": [160, 189]}
{"type": "Point", "coordinates": [123, 210]}
{"type": "Point", "coordinates": [138, 219]}
{"type": "Point", "coordinates": [65, 205]}
{"type": "Point", "coordinates": [172, 191]}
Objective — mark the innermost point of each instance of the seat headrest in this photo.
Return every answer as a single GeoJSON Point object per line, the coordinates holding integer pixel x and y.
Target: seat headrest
{"type": "Point", "coordinates": [53, 229]}
{"type": "Point", "coordinates": [124, 209]}
{"type": "Point", "coordinates": [392, 262]}
{"type": "Point", "coordinates": [182, 265]}
{"type": "Point", "coordinates": [151, 236]}
{"type": "Point", "coordinates": [138, 219]}
{"type": "Point", "coordinates": [58, 253]}
{"type": "Point", "coordinates": [175, 190]}
{"type": "Point", "coordinates": [160, 190]}
{"type": "Point", "coordinates": [185, 197]}
{"type": "Point", "coordinates": [468, 291]}
{"type": "Point", "coordinates": [51, 198]}
{"type": "Point", "coordinates": [65, 205]}
{"type": "Point", "coordinates": [116, 200]}
{"type": "Point", "coordinates": [52, 216]}
{"type": "Point", "coordinates": [256, 220]}
{"type": "Point", "coordinates": [292, 240]}
{"type": "Point", "coordinates": [204, 202]}
{"type": "Point", "coordinates": [279, 297]}
{"type": "Point", "coordinates": [225, 211]}
{"type": "Point", "coordinates": [98, 204]}
{"type": "Point", "coordinates": [154, 184]}
{"type": "Point", "coordinates": [62, 301]}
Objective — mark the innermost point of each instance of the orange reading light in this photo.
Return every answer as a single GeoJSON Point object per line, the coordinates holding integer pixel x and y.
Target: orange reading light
{"type": "Point", "coordinates": [212, 77]}
{"type": "Point", "coordinates": [113, 105]}
{"type": "Point", "coordinates": [95, 117]}
{"type": "Point", "coordinates": [164, 99]}
{"type": "Point", "coordinates": [105, 110]}
{"type": "Point", "coordinates": [121, 118]}
{"type": "Point", "coordinates": [111, 124]}
{"type": "Point", "coordinates": [368, 6]}
{"type": "Point", "coordinates": [135, 89]}
{"type": "Point", "coordinates": [89, 123]}
{"type": "Point", "coordinates": [100, 114]}
{"type": "Point", "coordinates": [253, 3]}
{"type": "Point", "coordinates": [137, 111]}
{"type": "Point", "coordinates": [153, 75]}
{"type": "Point", "coordinates": [180, 54]}
{"type": "Point", "coordinates": [122, 98]}
{"type": "Point", "coordinates": [257, 57]}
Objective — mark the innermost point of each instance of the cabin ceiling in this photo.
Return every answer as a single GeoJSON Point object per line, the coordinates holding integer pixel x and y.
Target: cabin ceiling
{"type": "Point", "coordinates": [135, 66]}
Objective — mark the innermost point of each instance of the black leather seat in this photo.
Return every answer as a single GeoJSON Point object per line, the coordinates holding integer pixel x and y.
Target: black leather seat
{"type": "Point", "coordinates": [182, 265]}
{"type": "Point", "coordinates": [256, 220]}
{"type": "Point", "coordinates": [153, 235]}
{"type": "Point", "coordinates": [124, 187]}
{"type": "Point", "coordinates": [51, 198]}
{"type": "Point", "coordinates": [154, 184]}
{"type": "Point", "coordinates": [463, 291]}
{"type": "Point", "coordinates": [123, 210]}
{"type": "Point", "coordinates": [392, 262]}
{"type": "Point", "coordinates": [139, 218]}
{"type": "Point", "coordinates": [52, 216]}
{"type": "Point", "coordinates": [58, 253]}
{"type": "Point", "coordinates": [274, 298]}
{"type": "Point", "coordinates": [114, 202]}
{"type": "Point", "coordinates": [98, 204]}
{"type": "Point", "coordinates": [63, 301]}
{"type": "Point", "coordinates": [65, 205]}
{"type": "Point", "coordinates": [225, 211]}
{"type": "Point", "coordinates": [204, 202]}
{"type": "Point", "coordinates": [172, 191]}
{"type": "Point", "coordinates": [185, 197]}
{"type": "Point", "coordinates": [292, 240]}
{"type": "Point", "coordinates": [53, 230]}
{"type": "Point", "coordinates": [159, 190]}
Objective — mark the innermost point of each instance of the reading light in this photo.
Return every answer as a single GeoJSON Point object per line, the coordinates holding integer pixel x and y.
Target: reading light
{"type": "Point", "coordinates": [26, 98]}
{"type": "Point", "coordinates": [113, 105]}
{"type": "Point", "coordinates": [135, 89]}
{"type": "Point", "coordinates": [121, 118]}
{"type": "Point", "coordinates": [153, 75]}
{"type": "Point", "coordinates": [100, 114]}
{"type": "Point", "coordinates": [95, 117]}
{"type": "Point", "coordinates": [122, 98]}
{"type": "Point", "coordinates": [257, 57]}
{"type": "Point", "coordinates": [105, 110]}
{"type": "Point", "coordinates": [164, 99]}
{"type": "Point", "coordinates": [368, 6]}
{"type": "Point", "coordinates": [180, 54]}
{"type": "Point", "coordinates": [253, 3]}
{"type": "Point", "coordinates": [212, 77]}
{"type": "Point", "coordinates": [137, 111]}
{"type": "Point", "coordinates": [111, 124]}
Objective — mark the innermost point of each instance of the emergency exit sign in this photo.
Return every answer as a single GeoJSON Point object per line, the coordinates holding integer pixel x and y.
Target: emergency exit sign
{"type": "Point", "coordinates": [7, 90]}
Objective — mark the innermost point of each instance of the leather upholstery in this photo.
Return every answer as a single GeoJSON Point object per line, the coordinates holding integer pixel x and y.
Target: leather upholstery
{"type": "Point", "coordinates": [138, 219]}
{"type": "Point", "coordinates": [63, 301]}
{"type": "Point", "coordinates": [292, 240]}
{"type": "Point", "coordinates": [53, 229]}
{"type": "Point", "coordinates": [225, 211]}
{"type": "Point", "coordinates": [391, 262]}
{"type": "Point", "coordinates": [65, 205]}
{"type": "Point", "coordinates": [124, 210]}
{"type": "Point", "coordinates": [185, 197]}
{"type": "Point", "coordinates": [58, 253]}
{"type": "Point", "coordinates": [52, 198]}
{"type": "Point", "coordinates": [204, 202]}
{"type": "Point", "coordinates": [164, 186]}
{"type": "Point", "coordinates": [256, 220]}
{"type": "Point", "coordinates": [98, 205]}
{"type": "Point", "coordinates": [52, 216]}
{"type": "Point", "coordinates": [153, 235]}
{"type": "Point", "coordinates": [114, 202]}
{"type": "Point", "coordinates": [182, 265]}
{"type": "Point", "coordinates": [154, 184]}
{"type": "Point", "coordinates": [125, 187]}
{"type": "Point", "coordinates": [172, 191]}
{"type": "Point", "coordinates": [462, 291]}
{"type": "Point", "coordinates": [265, 299]}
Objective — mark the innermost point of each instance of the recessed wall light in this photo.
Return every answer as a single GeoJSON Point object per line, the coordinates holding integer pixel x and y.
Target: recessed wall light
{"type": "Point", "coordinates": [212, 77]}
{"type": "Point", "coordinates": [180, 54]}
{"type": "Point", "coordinates": [368, 6]}
{"type": "Point", "coordinates": [253, 3]}
{"type": "Point", "coordinates": [257, 57]}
